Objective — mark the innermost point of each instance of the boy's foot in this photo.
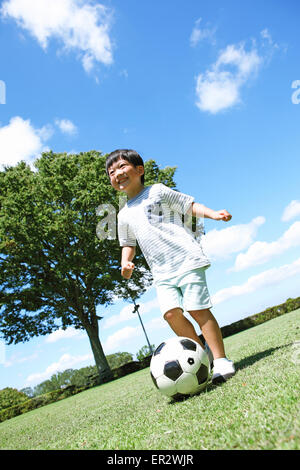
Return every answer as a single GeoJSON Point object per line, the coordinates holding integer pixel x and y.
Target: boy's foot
{"type": "Point", "coordinates": [223, 369]}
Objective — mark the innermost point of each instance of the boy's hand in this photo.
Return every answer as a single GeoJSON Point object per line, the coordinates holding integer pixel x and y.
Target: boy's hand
{"type": "Point", "coordinates": [222, 215]}
{"type": "Point", "coordinates": [199, 210]}
{"type": "Point", "coordinates": [127, 269]}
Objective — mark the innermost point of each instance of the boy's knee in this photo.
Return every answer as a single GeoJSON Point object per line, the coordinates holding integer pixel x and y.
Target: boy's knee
{"type": "Point", "coordinates": [172, 314]}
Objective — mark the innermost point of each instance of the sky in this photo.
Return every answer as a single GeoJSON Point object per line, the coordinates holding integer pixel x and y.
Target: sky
{"type": "Point", "coordinates": [212, 88]}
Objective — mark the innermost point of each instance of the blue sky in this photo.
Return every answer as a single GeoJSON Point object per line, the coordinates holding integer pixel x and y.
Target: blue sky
{"type": "Point", "coordinates": [209, 87]}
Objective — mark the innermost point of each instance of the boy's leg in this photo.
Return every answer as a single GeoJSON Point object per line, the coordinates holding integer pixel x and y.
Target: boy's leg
{"type": "Point", "coordinates": [210, 330]}
{"type": "Point", "coordinates": [223, 369]}
{"type": "Point", "coordinates": [181, 325]}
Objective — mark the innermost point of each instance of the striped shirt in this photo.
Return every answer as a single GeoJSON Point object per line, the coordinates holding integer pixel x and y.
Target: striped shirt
{"type": "Point", "coordinates": [157, 219]}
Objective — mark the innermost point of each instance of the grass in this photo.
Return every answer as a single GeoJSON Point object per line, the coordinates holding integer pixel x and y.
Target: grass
{"type": "Point", "coordinates": [257, 409]}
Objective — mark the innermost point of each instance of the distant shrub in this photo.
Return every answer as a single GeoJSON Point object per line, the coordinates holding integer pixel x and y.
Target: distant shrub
{"type": "Point", "coordinates": [272, 312]}
{"type": "Point", "coordinates": [145, 351]}
{"type": "Point", "coordinates": [39, 401]}
{"type": "Point", "coordinates": [10, 397]}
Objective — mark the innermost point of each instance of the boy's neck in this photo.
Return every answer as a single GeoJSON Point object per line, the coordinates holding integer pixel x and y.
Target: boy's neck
{"type": "Point", "coordinates": [135, 191]}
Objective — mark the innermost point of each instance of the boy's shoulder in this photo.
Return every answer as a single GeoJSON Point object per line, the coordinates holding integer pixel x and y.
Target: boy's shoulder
{"type": "Point", "coordinates": [154, 190]}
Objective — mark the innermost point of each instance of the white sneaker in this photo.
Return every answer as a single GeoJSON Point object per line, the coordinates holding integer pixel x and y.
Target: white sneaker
{"type": "Point", "coordinates": [223, 370]}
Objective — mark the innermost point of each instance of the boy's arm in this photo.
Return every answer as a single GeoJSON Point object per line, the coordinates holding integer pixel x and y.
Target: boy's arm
{"type": "Point", "coordinates": [199, 210]}
{"type": "Point", "coordinates": [128, 253]}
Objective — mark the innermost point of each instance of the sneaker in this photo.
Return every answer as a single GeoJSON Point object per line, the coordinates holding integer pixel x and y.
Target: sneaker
{"type": "Point", "coordinates": [210, 355]}
{"type": "Point", "coordinates": [223, 369]}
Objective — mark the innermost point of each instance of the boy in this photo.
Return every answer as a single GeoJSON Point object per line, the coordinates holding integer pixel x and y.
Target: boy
{"type": "Point", "coordinates": [153, 217]}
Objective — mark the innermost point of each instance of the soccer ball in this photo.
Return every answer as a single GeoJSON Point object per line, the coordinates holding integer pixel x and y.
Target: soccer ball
{"type": "Point", "coordinates": [179, 366]}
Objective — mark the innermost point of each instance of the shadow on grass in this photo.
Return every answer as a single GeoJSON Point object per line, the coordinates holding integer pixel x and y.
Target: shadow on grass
{"type": "Point", "coordinates": [250, 360]}
{"type": "Point", "coordinates": [242, 364]}
{"type": "Point", "coordinates": [179, 398]}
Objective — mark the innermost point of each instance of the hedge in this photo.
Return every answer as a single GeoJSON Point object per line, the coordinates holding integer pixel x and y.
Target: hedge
{"type": "Point", "coordinates": [272, 312]}
{"type": "Point", "coordinates": [262, 317]}
{"type": "Point", "coordinates": [39, 401]}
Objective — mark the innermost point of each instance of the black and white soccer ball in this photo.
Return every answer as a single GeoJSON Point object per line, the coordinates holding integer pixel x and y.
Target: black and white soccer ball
{"type": "Point", "coordinates": [179, 366]}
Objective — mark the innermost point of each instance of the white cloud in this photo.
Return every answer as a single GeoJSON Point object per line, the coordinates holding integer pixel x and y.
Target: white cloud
{"type": "Point", "coordinates": [267, 36]}
{"type": "Point", "coordinates": [261, 252]}
{"type": "Point", "coordinates": [291, 211]}
{"type": "Point", "coordinates": [266, 278]}
{"type": "Point", "coordinates": [219, 87]}
{"type": "Point", "coordinates": [19, 140]}
{"type": "Point", "coordinates": [66, 126]}
{"type": "Point", "coordinates": [126, 313]}
{"type": "Point", "coordinates": [79, 26]}
{"type": "Point", "coordinates": [125, 335]}
{"type": "Point", "coordinates": [120, 337]}
{"type": "Point", "coordinates": [66, 361]}
{"type": "Point", "coordinates": [198, 34]}
{"type": "Point", "coordinates": [64, 334]}
{"type": "Point", "coordinates": [19, 359]}
{"type": "Point", "coordinates": [156, 323]}
{"type": "Point", "coordinates": [268, 43]}
{"type": "Point", "coordinates": [222, 243]}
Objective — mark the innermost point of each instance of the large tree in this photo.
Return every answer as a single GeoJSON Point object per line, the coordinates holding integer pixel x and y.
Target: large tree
{"type": "Point", "coordinates": [54, 270]}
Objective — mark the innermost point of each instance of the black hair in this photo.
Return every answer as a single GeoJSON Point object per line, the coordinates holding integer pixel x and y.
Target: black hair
{"type": "Point", "coordinates": [130, 155]}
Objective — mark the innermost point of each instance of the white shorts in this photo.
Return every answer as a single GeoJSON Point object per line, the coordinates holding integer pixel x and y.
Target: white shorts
{"type": "Point", "coordinates": [187, 291]}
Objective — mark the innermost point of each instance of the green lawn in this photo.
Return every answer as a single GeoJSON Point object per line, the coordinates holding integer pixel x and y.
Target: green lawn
{"type": "Point", "coordinates": [257, 409]}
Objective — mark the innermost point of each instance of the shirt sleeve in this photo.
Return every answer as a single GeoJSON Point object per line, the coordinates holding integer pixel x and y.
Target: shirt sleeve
{"type": "Point", "coordinates": [177, 201]}
{"type": "Point", "coordinates": [125, 233]}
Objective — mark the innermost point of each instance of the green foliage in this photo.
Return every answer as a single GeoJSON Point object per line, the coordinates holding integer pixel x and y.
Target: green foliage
{"type": "Point", "coordinates": [28, 392]}
{"type": "Point", "coordinates": [78, 377]}
{"type": "Point", "coordinates": [37, 402]}
{"type": "Point", "coordinates": [10, 397]}
{"type": "Point", "coordinates": [153, 174]}
{"type": "Point", "coordinates": [75, 377]}
{"type": "Point", "coordinates": [118, 359]}
{"type": "Point", "coordinates": [144, 352]}
{"type": "Point", "coordinates": [272, 312]}
{"type": "Point", "coordinates": [57, 381]}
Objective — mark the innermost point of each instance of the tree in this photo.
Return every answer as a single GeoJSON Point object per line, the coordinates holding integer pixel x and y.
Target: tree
{"type": "Point", "coordinates": [44, 387]}
{"type": "Point", "coordinates": [118, 359]}
{"type": "Point", "coordinates": [28, 392]}
{"type": "Point", "coordinates": [10, 397]}
{"type": "Point", "coordinates": [54, 270]}
{"type": "Point", "coordinates": [144, 352]}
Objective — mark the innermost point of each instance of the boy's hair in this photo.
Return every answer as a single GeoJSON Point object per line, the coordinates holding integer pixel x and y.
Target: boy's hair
{"type": "Point", "coordinates": [130, 155]}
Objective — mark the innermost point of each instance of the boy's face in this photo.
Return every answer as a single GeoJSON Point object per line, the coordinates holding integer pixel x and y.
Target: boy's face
{"type": "Point", "coordinates": [124, 176]}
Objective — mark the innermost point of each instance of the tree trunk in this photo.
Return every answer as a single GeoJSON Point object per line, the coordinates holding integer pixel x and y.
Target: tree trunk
{"type": "Point", "coordinates": [104, 370]}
